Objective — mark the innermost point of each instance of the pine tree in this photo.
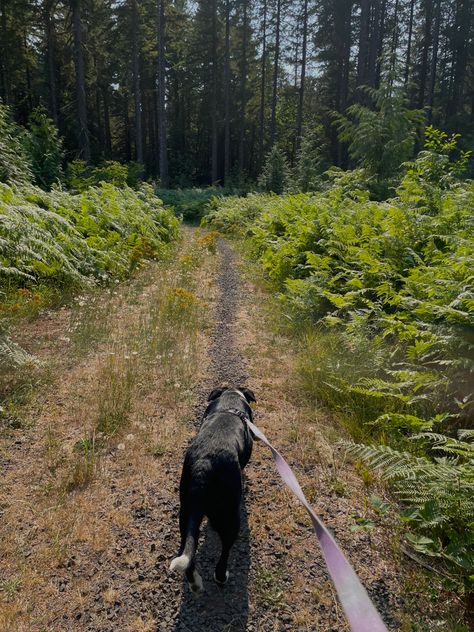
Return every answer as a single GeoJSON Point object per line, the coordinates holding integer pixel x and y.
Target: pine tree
{"type": "Point", "coordinates": [275, 174]}
{"type": "Point", "coordinates": [312, 160]}
{"type": "Point", "coordinates": [44, 149]}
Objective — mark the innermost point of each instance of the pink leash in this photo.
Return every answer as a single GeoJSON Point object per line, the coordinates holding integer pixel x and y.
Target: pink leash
{"type": "Point", "coordinates": [359, 609]}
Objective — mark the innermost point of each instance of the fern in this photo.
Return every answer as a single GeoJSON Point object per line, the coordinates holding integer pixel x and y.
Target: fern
{"type": "Point", "coordinates": [12, 355]}
{"type": "Point", "coordinates": [438, 489]}
{"type": "Point", "coordinates": [383, 292]}
{"type": "Point", "coordinates": [67, 241]}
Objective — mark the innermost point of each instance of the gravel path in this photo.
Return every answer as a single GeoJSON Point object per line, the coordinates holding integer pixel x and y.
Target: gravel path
{"type": "Point", "coordinates": [232, 608]}
{"type": "Point", "coordinates": [221, 608]}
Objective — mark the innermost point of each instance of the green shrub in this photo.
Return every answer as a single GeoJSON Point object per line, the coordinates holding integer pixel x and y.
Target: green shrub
{"type": "Point", "coordinates": [191, 204]}
{"type": "Point", "coordinates": [14, 164]}
{"type": "Point", "coordinates": [136, 172]}
{"type": "Point", "coordinates": [44, 148]}
{"type": "Point", "coordinates": [433, 172]}
{"type": "Point", "coordinates": [384, 294]}
{"type": "Point", "coordinates": [312, 161]}
{"type": "Point", "coordinates": [437, 488]}
{"type": "Point", "coordinates": [81, 176]}
{"type": "Point", "coordinates": [78, 175]}
{"type": "Point", "coordinates": [382, 137]}
{"type": "Point", "coordinates": [66, 241]}
{"type": "Point", "coordinates": [234, 214]}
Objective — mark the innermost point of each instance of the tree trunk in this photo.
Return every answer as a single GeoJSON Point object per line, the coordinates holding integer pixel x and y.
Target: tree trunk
{"type": "Point", "coordinates": [4, 74]}
{"type": "Point", "coordinates": [107, 134]}
{"type": "Point", "coordinates": [227, 95]}
{"type": "Point", "coordinates": [299, 118]}
{"type": "Point", "coordinates": [214, 139]}
{"type": "Point", "coordinates": [381, 35]}
{"type": "Point", "coordinates": [162, 131]}
{"type": "Point", "coordinates": [126, 127]}
{"type": "Point", "coordinates": [29, 92]}
{"type": "Point", "coordinates": [84, 142]}
{"type": "Point", "coordinates": [409, 43]}
{"type": "Point", "coordinates": [51, 62]}
{"type": "Point", "coordinates": [297, 54]}
{"type": "Point", "coordinates": [263, 85]}
{"type": "Point", "coordinates": [100, 127]}
{"type": "Point", "coordinates": [346, 54]}
{"type": "Point", "coordinates": [374, 43]}
{"type": "Point", "coordinates": [136, 85]}
{"type": "Point", "coordinates": [425, 52]}
{"type": "Point", "coordinates": [276, 62]}
{"type": "Point", "coordinates": [343, 31]}
{"type": "Point", "coordinates": [363, 57]}
{"type": "Point", "coordinates": [434, 60]}
{"type": "Point", "coordinates": [243, 87]}
{"type": "Point", "coordinates": [394, 44]}
{"type": "Point", "coordinates": [463, 23]}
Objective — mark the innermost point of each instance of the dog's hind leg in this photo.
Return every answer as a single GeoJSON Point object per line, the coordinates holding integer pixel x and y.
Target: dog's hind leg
{"type": "Point", "coordinates": [189, 547]}
{"type": "Point", "coordinates": [228, 533]}
{"type": "Point", "coordinates": [185, 562]}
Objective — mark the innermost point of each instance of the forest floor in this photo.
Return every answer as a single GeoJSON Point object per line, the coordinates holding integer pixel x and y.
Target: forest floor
{"type": "Point", "coordinates": [91, 460]}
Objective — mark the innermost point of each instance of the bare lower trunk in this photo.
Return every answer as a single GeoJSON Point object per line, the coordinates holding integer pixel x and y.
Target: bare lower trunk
{"type": "Point", "coordinates": [162, 142]}
{"type": "Point", "coordinates": [243, 88]}
{"type": "Point", "coordinates": [262, 84]}
{"type": "Point", "coordinates": [434, 61]}
{"type": "Point", "coordinates": [4, 85]}
{"type": "Point", "coordinates": [299, 117]}
{"type": "Point", "coordinates": [137, 86]}
{"type": "Point", "coordinates": [51, 64]}
{"type": "Point", "coordinates": [409, 43]}
{"type": "Point", "coordinates": [107, 134]}
{"type": "Point", "coordinates": [84, 142]}
{"type": "Point", "coordinates": [214, 95]}
{"type": "Point", "coordinates": [227, 95]}
{"type": "Point", "coordinates": [276, 66]}
{"type": "Point", "coordinates": [425, 53]}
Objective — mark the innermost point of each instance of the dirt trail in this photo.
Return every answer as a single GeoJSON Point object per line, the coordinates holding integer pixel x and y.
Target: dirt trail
{"type": "Point", "coordinates": [108, 568]}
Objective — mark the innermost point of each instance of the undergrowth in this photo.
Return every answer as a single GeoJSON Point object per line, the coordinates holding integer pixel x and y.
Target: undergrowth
{"type": "Point", "coordinates": [53, 244]}
{"type": "Point", "coordinates": [192, 204]}
{"type": "Point", "coordinates": [382, 296]}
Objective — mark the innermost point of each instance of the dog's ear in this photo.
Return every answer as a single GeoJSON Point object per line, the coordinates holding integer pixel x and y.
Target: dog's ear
{"type": "Point", "coordinates": [217, 392]}
{"type": "Point", "coordinates": [249, 395]}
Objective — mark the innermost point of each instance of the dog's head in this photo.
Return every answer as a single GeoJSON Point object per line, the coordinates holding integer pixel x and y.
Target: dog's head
{"type": "Point", "coordinates": [246, 393]}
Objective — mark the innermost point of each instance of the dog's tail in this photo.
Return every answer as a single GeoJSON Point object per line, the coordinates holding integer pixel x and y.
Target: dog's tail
{"type": "Point", "coordinates": [186, 560]}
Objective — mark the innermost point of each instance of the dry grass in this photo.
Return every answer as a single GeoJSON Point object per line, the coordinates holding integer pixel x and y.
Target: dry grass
{"type": "Point", "coordinates": [123, 387]}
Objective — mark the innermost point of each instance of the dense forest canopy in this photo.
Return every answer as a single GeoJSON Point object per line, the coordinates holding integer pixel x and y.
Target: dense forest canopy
{"type": "Point", "coordinates": [199, 92]}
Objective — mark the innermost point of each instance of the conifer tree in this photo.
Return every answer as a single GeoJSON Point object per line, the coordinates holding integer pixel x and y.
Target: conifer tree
{"type": "Point", "coordinates": [275, 174]}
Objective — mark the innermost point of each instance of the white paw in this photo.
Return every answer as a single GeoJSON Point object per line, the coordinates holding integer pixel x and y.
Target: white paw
{"type": "Point", "coordinates": [196, 585]}
{"type": "Point", "coordinates": [180, 564]}
{"type": "Point", "coordinates": [219, 582]}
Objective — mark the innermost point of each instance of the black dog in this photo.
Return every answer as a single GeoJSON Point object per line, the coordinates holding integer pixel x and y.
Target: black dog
{"type": "Point", "coordinates": [211, 482]}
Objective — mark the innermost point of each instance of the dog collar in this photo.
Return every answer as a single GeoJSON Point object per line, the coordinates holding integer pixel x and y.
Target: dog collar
{"type": "Point", "coordinates": [238, 413]}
